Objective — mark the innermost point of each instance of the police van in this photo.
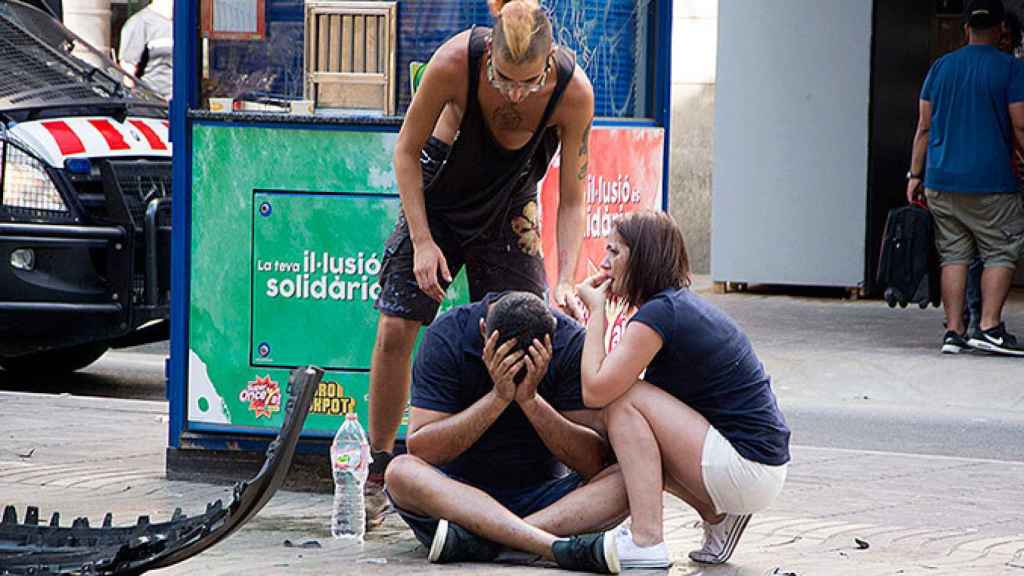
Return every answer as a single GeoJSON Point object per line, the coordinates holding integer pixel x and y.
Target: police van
{"type": "Point", "coordinates": [85, 200]}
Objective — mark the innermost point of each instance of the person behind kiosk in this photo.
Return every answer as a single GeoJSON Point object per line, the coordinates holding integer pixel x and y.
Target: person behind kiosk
{"type": "Point", "coordinates": [147, 45]}
{"type": "Point", "coordinates": [491, 111]}
{"type": "Point", "coordinates": [495, 397]}
{"type": "Point", "coordinates": [703, 420]}
{"type": "Point", "coordinates": [1009, 42]}
{"type": "Point", "coordinates": [971, 107]}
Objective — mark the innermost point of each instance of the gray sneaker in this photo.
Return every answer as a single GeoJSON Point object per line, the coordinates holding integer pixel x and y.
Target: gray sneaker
{"type": "Point", "coordinates": [376, 501]}
{"type": "Point", "coordinates": [720, 539]}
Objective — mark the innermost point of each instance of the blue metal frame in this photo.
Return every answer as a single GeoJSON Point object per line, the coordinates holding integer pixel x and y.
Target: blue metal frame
{"type": "Point", "coordinates": [663, 85]}
{"type": "Point", "coordinates": [186, 97]}
{"type": "Point", "coordinates": [625, 123]}
{"type": "Point", "coordinates": [253, 431]}
{"type": "Point", "coordinates": [297, 125]}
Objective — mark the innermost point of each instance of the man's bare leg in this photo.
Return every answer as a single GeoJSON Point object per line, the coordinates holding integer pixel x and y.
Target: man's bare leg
{"type": "Point", "coordinates": [954, 286]}
{"type": "Point", "coordinates": [418, 487]}
{"type": "Point", "coordinates": [598, 505]}
{"type": "Point", "coordinates": [390, 375]}
{"type": "Point", "coordinates": [601, 504]}
{"type": "Point", "coordinates": [995, 287]}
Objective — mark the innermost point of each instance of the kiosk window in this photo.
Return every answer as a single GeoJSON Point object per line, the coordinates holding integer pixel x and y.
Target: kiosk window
{"type": "Point", "coordinates": [234, 19]}
{"type": "Point", "coordinates": [614, 42]}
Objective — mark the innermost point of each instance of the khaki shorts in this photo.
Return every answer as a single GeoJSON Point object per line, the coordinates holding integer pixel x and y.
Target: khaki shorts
{"type": "Point", "coordinates": [737, 485]}
{"type": "Point", "coordinates": [968, 225]}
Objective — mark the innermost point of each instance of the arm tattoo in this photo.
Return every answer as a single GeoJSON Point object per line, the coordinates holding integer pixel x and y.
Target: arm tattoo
{"type": "Point", "coordinates": [584, 154]}
{"type": "Point", "coordinates": [584, 146]}
{"type": "Point", "coordinates": [583, 171]}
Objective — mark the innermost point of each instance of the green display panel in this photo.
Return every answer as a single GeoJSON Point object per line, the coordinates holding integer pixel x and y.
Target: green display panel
{"type": "Point", "coordinates": [267, 205]}
{"type": "Point", "coordinates": [316, 258]}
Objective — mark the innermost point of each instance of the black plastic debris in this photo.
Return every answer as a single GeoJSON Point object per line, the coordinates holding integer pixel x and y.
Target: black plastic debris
{"type": "Point", "coordinates": [33, 549]}
{"type": "Point", "coordinates": [308, 544]}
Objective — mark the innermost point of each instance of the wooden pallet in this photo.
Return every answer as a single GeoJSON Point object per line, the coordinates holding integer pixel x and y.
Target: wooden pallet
{"type": "Point", "coordinates": [852, 292]}
{"type": "Point", "coordinates": [727, 287]}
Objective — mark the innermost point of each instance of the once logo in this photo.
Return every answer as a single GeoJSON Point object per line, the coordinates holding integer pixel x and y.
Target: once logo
{"type": "Point", "coordinates": [263, 396]}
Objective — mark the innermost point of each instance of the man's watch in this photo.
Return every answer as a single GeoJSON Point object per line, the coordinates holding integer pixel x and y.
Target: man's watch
{"type": "Point", "coordinates": [911, 175]}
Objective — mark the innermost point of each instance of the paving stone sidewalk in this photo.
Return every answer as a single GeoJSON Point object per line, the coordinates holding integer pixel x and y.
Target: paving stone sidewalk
{"type": "Point", "coordinates": [918, 514]}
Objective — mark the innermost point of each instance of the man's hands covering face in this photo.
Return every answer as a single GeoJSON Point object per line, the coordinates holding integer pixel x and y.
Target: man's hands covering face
{"type": "Point", "coordinates": [536, 360]}
{"type": "Point", "coordinates": [503, 364]}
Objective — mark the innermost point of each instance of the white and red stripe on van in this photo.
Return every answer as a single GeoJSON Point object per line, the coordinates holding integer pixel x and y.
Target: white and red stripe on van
{"type": "Point", "coordinates": [56, 140]}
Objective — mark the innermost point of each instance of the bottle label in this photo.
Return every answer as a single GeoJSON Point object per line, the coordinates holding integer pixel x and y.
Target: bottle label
{"type": "Point", "coordinates": [348, 460]}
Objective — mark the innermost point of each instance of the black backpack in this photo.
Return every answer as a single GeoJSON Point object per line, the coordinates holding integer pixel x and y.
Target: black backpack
{"type": "Point", "coordinates": [908, 267]}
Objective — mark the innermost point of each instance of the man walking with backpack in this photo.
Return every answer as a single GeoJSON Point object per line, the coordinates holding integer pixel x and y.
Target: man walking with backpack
{"type": "Point", "coordinates": [971, 106]}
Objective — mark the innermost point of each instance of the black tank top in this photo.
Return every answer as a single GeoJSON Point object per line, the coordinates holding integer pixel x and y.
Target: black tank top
{"type": "Point", "coordinates": [481, 180]}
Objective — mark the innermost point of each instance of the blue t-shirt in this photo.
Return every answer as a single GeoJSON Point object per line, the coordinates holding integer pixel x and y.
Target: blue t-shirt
{"type": "Point", "coordinates": [971, 139]}
{"type": "Point", "coordinates": [449, 376]}
{"type": "Point", "coordinates": [707, 362]}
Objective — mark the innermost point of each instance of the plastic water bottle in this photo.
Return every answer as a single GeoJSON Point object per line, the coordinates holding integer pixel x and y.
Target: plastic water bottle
{"type": "Point", "coordinates": [350, 464]}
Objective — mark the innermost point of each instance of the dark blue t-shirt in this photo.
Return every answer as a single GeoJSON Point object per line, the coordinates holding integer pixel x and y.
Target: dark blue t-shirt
{"type": "Point", "coordinates": [449, 376]}
{"type": "Point", "coordinates": [971, 139]}
{"type": "Point", "coordinates": [707, 362]}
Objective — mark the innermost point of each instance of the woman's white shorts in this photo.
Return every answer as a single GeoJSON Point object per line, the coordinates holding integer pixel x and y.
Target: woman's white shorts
{"type": "Point", "coordinates": [737, 485]}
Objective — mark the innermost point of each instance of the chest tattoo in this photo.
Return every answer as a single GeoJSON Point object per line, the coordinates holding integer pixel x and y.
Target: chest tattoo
{"type": "Point", "coordinates": [507, 117]}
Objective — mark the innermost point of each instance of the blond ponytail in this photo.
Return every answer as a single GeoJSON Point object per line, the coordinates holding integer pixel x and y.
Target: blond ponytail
{"type": "Point", "coordinates": [522, 31]}
{"type": "Point", "coordinates": [499, 4]}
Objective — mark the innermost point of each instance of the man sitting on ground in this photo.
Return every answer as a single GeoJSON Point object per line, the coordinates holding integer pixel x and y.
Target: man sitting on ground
{"type": "Point", "coordinates": [494, 386]}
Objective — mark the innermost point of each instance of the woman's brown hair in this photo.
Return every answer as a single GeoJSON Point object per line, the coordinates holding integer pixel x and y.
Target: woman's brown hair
{"type": "Point", "coordinates": [657, 255]}
{"type": "Point", "coordinates": [522, 31]}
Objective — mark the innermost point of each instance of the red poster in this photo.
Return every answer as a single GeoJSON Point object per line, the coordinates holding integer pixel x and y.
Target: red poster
{"type": "Point", "coordinates": [626, 168]}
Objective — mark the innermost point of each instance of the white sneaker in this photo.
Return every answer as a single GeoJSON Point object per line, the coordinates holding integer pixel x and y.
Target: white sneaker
{"type": "Point", "coordinates": [633, 556]}
{"type": "Point", "coordinates": [720, 539]}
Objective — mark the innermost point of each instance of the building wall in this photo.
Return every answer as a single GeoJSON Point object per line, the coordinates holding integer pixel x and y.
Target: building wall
{"type": "Point", "coordinates": [694, 49]}
{"type": "Point", "coordinates": [789, 195]}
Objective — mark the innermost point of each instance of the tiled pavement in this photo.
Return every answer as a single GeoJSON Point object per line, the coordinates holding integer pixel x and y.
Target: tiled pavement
{"type": "Point", "coordinates": [919, 515]}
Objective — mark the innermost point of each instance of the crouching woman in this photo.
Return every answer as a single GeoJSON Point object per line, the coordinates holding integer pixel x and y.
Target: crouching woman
{"type": "Point", "coordinates": [703, 422]}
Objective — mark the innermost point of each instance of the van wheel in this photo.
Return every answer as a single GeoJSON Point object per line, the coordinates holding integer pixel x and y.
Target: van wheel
{"type": "Point", "coordinates": [59, 361]}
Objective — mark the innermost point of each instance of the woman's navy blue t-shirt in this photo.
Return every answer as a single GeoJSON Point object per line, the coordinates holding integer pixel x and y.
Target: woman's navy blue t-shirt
{"type": "Point", "coordinates": [707, 362]}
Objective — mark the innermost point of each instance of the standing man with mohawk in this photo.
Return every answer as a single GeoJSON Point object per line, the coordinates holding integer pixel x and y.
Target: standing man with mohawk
{"type": "Point", "coordinates": [489, 115]}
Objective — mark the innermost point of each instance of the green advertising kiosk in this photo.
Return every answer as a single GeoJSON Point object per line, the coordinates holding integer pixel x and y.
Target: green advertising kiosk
{"type": "Point", "coordinates": [284, 118]}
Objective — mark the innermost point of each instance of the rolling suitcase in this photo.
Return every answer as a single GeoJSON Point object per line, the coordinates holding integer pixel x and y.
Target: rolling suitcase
{"type": "Point", "coordinates": [908, 268]}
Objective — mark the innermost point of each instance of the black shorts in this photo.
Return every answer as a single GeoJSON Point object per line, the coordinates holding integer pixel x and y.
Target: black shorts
{"type": "Point", "coordinates": [505, 256]}
{"type": "Point", "coordinates": [494, 263]}
{"type": "Point", "coordinates": [522, 503]}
